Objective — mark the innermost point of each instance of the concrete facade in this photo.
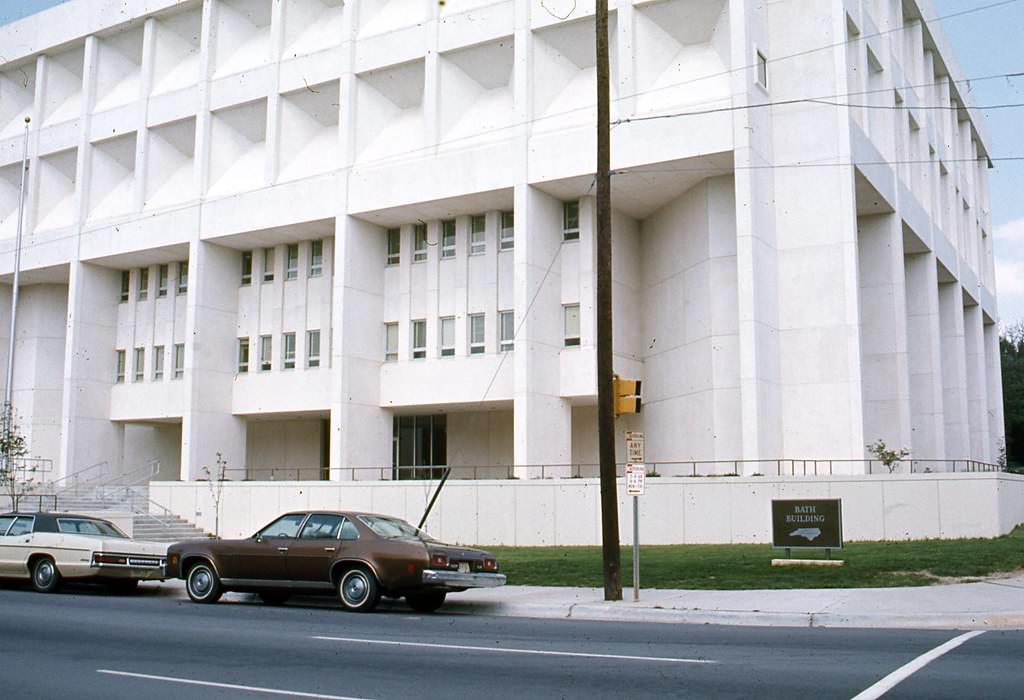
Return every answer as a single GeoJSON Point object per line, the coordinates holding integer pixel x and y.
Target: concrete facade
{"type": "Point", "coordinates": [320, 238]}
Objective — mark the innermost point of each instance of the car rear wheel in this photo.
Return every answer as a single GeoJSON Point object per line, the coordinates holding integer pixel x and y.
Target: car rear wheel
{"type": "Point", "coordinates": [425, 602]}
{"type": "Point", "coordinates": [45, 576]}
{"type": "Point", "coordinates": [358, 590]}
{"type": "Point", "coordinates": [203, 584]}
{"type": "Point", "coordinates": [273, 597]}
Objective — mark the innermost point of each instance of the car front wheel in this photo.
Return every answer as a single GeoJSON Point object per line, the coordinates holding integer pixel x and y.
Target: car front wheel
{"type": "Point", "coordinates": [45, 577]}
{"type": "Point", "coordinates": [203, 584]}
{"type": "Point", "coordinates": [358, 590]}
{"type": "Point", "coordinates": [425, 602]}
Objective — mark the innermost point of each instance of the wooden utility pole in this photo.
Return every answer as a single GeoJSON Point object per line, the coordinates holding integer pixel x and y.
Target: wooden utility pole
{"type": "Point", "coordinates": [605, 399]}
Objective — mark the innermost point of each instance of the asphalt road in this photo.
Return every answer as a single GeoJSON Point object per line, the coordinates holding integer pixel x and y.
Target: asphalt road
{"type": "Point", "coordinates": [90, 644]}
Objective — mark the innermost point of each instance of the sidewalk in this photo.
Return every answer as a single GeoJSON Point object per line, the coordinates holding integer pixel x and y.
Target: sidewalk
{"type": "Point", "coordinates": [990, 604]}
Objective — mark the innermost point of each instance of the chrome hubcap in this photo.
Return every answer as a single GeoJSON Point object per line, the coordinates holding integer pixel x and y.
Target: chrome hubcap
{"type": "Point", "coordinates": [201, 582]}
{"type": "Point", "coordinates": [355, 589]}
{"type": "Point", "coordinates": [44, 573]}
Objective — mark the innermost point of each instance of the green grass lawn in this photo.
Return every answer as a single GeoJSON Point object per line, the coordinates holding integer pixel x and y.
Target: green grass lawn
{"type": "Point", "coordinates": [745, 566]}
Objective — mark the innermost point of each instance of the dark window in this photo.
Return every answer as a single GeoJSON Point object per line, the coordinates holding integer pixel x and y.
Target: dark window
{"type": "Point", "coordinates": [284, 527]}
{"type": "Point", "coordinates": [420, 446]}
{"type": "Point", "coordinates": [321, 526]}
{"type": "Point", "coordinates": [21, 526]}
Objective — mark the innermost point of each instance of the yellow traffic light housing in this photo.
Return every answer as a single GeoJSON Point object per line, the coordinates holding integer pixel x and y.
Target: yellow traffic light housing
{"type": "Point", "coordinates": [626, 393]}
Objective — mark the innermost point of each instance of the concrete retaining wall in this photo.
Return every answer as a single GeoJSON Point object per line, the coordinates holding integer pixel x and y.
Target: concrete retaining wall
{"type": "Point", "coordinates": [674, 509]}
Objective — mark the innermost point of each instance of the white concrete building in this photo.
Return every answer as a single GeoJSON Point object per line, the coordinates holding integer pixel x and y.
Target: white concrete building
{"type": "Point", "coordinates": [335, 237]}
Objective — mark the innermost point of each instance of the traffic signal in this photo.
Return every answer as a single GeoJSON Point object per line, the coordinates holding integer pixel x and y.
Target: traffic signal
{"type": "Point", "coordinates": [627, 395]}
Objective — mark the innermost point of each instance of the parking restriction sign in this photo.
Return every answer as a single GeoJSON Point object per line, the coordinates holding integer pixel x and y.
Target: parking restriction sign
{"type": "Point", "coordinates": [635, 478]}
{"type": "Point", "coordinates": [634, 446]}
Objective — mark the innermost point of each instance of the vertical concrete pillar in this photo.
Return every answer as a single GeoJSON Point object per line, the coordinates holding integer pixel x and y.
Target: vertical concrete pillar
{"type": "Point", "coordinates": [360, 428]}
{"type": "Point", "coordinates": [208, 425]}
{"type": "Point", "coordinates": [954, 371]}
{"type": "Point", "coordinates": [993, 378]}
{"type": "Point", "coordinates": [977, 384]}
{"type": "Point", "coordinates": [885, 380]}
{"type": "Point", "coordinates": [542, 419]}
{"type": "Point", "coordinates": [924, 355]}
{"type": "Point", "coordinates": [88, 436]}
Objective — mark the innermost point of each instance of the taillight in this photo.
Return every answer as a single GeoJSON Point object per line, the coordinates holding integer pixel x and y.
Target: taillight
{"type": "Point", "coordinates": [490, 564]}
{"type": "Point", "coordinates": [439, 560]}
{"type": "Point", "coordinates": [111, 559]}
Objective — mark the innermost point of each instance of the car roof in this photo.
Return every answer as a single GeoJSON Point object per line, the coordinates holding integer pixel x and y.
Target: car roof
{"type": "Point", "coordinates": [51, 514]}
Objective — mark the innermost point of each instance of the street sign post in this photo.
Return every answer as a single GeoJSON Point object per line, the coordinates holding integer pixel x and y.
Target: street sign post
{"type": "Point", "coordinates": [635, 482]}
{"type": "Point", "coordinates": [634, 447]}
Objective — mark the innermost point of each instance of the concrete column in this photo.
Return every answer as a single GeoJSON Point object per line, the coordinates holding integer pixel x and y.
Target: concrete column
{"type": "Point", "coordinates": [543, 420]}
{"type": "Point", "coordinates": [994, 379]}
{"type": "Point", "coordinates": [360, 428]}
{"type": "Point", "coordinates": [208, 425]}
{"type": "Point", "coordinates": [885, 380]}
{"type": "Point", "coordinates": [88, 436]}
{"type": "Point", "coordinates": [924, 357]}
{"type": "Point", "coordinates": [977, 384]}
{"type": "Point", "coordinates": [954, 371]}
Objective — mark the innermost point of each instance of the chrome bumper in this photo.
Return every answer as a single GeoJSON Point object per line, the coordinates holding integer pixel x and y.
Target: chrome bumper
{"type": "Point", "coordinates": [455, 579]}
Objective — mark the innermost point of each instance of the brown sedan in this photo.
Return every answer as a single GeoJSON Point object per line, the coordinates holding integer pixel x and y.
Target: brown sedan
{"type": "Point", "coordinates": [359, 556]}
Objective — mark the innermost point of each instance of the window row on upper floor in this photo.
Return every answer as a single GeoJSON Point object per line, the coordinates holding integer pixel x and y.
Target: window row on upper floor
{"type": "Point", "coordinates": [265, 349]}
{"type": "Point", "coordinates": [476, 235]}
{"type": "Point", "coordinates": [158, 354]}
{"type": "Point", "coordinates": [144, 282]}
{"type": "Point", "coordinates": [476, 337]}
{"type": "Point", "coordinates": [267, 261]}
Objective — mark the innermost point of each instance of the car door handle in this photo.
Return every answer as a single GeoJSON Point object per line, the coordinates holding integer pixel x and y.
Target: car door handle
{"type": "Point", "coordinates": [282, 549]}
{"type": "Point", "coordinates": [329, 549]}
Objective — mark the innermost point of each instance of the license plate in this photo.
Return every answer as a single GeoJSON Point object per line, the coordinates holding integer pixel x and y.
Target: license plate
{"type": "Point", "coordinates": [463, 567]}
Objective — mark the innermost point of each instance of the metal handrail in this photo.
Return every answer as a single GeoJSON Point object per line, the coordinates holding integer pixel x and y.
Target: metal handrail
{"type": "Point", "coordinates": [689, 468]}
{"type": "Point", "coordinates": [76, 477]}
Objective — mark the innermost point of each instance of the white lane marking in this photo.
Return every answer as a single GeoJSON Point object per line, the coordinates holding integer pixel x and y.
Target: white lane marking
{"type": "Point", "coordinates": [537, 652]}
{"type": "Point", "coordinates": [227, 686]}
{"type": "Point", "coordinates": [903, 672]}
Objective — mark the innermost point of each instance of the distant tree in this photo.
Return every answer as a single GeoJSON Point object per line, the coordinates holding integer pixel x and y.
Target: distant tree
{"type": "Point", "coordinates": [1011, 356]}
{"type": "Point", "coordinates": [888, 456]}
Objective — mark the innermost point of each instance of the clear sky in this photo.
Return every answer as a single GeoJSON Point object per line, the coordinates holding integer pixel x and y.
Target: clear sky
{"type": "Point", "coordinates": [987, 42]}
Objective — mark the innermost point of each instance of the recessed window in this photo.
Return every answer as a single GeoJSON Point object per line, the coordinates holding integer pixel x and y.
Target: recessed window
{"type": "Point", "coordinates": [243, 355]}
{"type": "Point", "coordinates": [126, 283]}
{"type": "Point", "coordinates": [419, 339]}
{"type": "Point", "coordinates": [571, 315]}
{"type": "Point", "coordinates": [288, 343]}
{"type": "Point", "coordinates": [179, 360]}
{"type": "Point", "coordinates": [762, 70]}
{"type": "Point", "coordinates": [312, 348]}
{"type": "Point", "coordinates": [447, 336]}
{"type": "Point", "coordinates": [390, 342]}
{"type": "Point", "coordinates": [394, 246]}
{"type": "Point", "coordinates": [119, 376]}
{"type": "Point", "coordinates": [161, 281]}
{"type": "Point", "coordinates": [266, 350]}
{"type": "Point", "coordinates": [476, 334]}
{"type": "Point", "coordinates": [507, 235]}
{"type": "Point", "coordinates": [478, 235]}
{"type": "Point", "coordinates": [291, 269]}
{"type": "Point", "coordinates": [268, 264]}
{"type": "Point", "coordinates": [419, 243]}
{"type": "Point", "coordinates": [246, 268]}
{"type": "Point", "coordinates": [139, 364]}
{"type": "Point", "coordinates": [182, 278]}
{"type": "Point", "coordinates": [316, 258]}
{"type": "Point", "coordinates": [143, 290]}
{"type": "Point", "coordinates": [448, 239]}
{"type": "Point", "coordinates": [570, 221]}
{"type": "Point", "coordinates": [507, 331]}
{"type": "Point", "coordinates": [158, 363]}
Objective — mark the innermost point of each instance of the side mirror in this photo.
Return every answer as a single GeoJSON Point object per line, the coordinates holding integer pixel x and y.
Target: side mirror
{"type": "Point", "coordinates": [258, 537]}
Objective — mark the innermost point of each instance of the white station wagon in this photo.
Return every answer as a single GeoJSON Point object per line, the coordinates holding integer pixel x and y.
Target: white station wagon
{"type": "Point", "coordinates": [48, 548]}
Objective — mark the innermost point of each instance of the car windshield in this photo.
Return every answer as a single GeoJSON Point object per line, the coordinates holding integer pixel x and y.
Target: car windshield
{"type": "Point", "coordinates": [88, 526]}
{"type": "Point", "coordinates": [391, 528]}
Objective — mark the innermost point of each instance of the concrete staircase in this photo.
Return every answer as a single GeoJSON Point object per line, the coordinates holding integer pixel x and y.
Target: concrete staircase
{"type": "Point", "coordinates": [148, 526]}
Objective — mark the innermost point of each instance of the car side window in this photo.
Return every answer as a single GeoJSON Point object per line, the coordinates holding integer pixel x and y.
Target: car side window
{"type": "Point", "coordinates": [348, 530]}
{"type": "Point", "coordinates": [5, 522]}
{"type": "Point", "coordinates": [22, 526]}
{"type": "Point", "coordinates": [321, 527]}
{"type": "Point", "coordinates": [285, 527]}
